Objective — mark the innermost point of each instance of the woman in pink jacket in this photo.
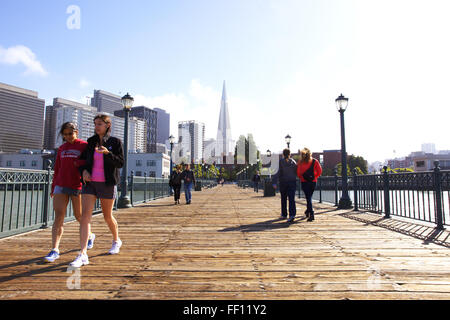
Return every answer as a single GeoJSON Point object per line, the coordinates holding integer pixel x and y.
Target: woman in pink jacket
{"type": "Point", "coordinates": [308, 170]}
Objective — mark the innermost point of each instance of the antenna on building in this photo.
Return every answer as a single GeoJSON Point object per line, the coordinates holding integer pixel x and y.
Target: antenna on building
{"type": "Point", "coordinates": [87, 100]}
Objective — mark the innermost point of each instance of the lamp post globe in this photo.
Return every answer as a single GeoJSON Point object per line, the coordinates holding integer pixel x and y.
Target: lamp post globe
{"type": "Point", "coordinates": [344, 201]}
{"type": "Point", "coordinates": [288, 140]}
{"type": "Point", "coordinates": [124, 200]}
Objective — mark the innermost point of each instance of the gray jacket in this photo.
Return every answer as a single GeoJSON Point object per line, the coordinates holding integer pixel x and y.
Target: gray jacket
{"type": "Point", "coordinates": [287, 171]}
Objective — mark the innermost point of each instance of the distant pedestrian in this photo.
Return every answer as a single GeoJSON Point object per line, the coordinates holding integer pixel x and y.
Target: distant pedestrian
{"type": "Point", "coordinates": [66, 185]}
{"type": "Point", "coordinates": [175, 183]}
{"type": "Point", "coordinates": [308, 171]}
{"type": "Point", "coordinates": [104, 157]}
{"type": "Point", "coordinates": [256, 180]}
{"type": "Point", "coordinates": [220, 180]}
{"type": "Point", "coordinates": [287, 178]}
{"type": "Point", "coordinates": [189, 180]}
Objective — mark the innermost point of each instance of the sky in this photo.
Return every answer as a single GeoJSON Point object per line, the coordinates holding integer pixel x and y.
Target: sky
{"type": "Point", "coordinates": [284, 63]}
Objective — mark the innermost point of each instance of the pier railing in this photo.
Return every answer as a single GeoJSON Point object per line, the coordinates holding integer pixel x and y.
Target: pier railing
{"type": "Point", "coordinates": [26, 204]}
{"type": "Point", "coordinates": [423, 196]}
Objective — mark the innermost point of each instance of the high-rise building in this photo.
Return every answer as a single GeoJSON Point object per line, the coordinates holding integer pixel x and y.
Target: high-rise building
{"type": "Point", "coordinates": [225, 144]}
{"type": "Point", "coordinates": [191, 138]}
{"type": "Point", "coordinates": [21, 119]}
{"type": "Point", "coordinates": [63, 111]}
{"type": "Point", "coordinates": [149, 116]}
{"type": "Point", "coordinates": [106, 102]}
{"type": "Point", "coordinates": [163, 126]}
{"type": "Point", "coordinates": [83, 115]}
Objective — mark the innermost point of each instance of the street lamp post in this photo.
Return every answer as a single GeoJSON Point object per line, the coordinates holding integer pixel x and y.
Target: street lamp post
{"type": "Point", "coordinates": [288, 140]}
{"type": "Point", "coordinates": [344, 202]}
{"type": "Point", "coordinates": [269, 155]}
{"type": "Point", "coordinates": [171, 141]}
{"type": "Point", "coordinates": [124, 200]}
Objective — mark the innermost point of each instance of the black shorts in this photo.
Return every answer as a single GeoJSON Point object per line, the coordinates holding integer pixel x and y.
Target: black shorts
{"type": "Point", "coordinates": [100, 190]}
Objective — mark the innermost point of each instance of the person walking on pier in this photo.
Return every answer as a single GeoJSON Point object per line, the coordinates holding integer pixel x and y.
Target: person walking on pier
{"type": "Point", "coordinates": [66, 185]}
{"type": "Point", "coordinates": [104, 157]}
{"type": "Point", "coordinates": [189, 180]}
{"type": "Point", "coordinates": [308, 171]}
{"type": "Point", "coordinates": [256, 180]}
{"type": "Point", "coordinates": [175, 183]}
{"type": "Point", "coordinates": [287, 177]}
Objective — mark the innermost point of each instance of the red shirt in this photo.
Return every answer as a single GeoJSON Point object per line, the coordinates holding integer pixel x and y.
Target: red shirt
{"type": "Point", "coordinates": [303, 166]}
{"type": "Point", "coordinates": [67, 163]}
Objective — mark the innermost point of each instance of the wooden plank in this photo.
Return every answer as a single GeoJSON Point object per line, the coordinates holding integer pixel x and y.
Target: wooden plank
{"type": "Point", "coordinates": [229, 244]}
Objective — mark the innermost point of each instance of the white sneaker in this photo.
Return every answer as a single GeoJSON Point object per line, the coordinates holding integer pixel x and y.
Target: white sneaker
{"type": "Point", "coordinates": [115, 247]}
{"type": "Point", "coordinates": [79, 261]}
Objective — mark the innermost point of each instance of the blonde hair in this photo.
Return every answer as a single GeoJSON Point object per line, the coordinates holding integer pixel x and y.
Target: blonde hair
{"type": "Point", "coordinates": [305, 155]}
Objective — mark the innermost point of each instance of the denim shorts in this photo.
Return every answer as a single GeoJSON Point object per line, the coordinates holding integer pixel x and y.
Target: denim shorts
{"type": "Point", "coordinates": [65, 190]}
{"type": "Point", "coordinates": [100, 190]}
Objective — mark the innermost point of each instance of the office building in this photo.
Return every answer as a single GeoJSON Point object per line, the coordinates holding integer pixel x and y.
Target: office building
{"type": "Point", "coordinates": [149, 116]}
{"type": "Point", "coordinates": [163, 126]}
{"type": "Point", "coordinates": [156, 165]}
{"type": "Point", "coordinates": [21, 119]}
{"type": "Point", "coordinates": [106, 102]}
{"type": "Point", "coordinates": [83, 116]}
{"type": "Point", "coordinates": [191, 137]}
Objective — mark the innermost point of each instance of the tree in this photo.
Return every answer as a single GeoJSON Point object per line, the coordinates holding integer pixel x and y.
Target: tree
{"type": "Point", "coordinates": [357, 161]}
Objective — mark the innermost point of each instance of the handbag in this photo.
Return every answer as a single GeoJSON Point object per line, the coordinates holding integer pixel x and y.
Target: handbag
{"type": "Point", "coordinates": [308, 175]}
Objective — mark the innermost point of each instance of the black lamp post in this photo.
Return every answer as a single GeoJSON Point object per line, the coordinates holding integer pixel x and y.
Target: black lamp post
{"type": "Point", "coordinates": [124, 200]}
{"type": "Point", "coordinates": [171, 141]}
{"type": "Point", "coordinates": [269, 154]}
{"type": "Point", "coordinates": [288, 140]}
{"type": "Point", "coordinates": [344, 202]}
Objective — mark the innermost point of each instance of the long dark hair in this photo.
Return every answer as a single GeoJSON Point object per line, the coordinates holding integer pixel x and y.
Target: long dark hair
{"type": "Point", "coordinates": [106, 119]}
{"type": "Point", "coordinates": [67, 125]}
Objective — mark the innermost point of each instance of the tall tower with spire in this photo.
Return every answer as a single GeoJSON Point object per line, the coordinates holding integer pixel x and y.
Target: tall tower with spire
{"type": "Point", "coordinates": [224, 139]}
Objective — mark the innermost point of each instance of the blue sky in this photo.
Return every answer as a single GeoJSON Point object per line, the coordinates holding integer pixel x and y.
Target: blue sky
{"type": "Point", "coordinates": [284, 63]}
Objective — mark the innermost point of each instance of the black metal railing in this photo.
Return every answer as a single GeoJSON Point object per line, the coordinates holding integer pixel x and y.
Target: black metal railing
{"type": "Point", "coordinates": [26, 204]}
{"type": "Point", "coordinates": [421, 196]}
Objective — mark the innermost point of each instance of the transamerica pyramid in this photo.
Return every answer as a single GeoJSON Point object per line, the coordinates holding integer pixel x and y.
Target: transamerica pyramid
{"type": "Point", "coordinates": [224, 139]}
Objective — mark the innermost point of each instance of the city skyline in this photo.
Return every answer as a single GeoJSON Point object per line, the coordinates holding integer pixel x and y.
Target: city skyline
{"type": "Point", "coordinates": [284, 63]}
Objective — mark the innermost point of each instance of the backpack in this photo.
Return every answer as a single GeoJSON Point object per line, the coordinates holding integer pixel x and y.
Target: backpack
{"type": "Point", "coordinates": [308, 175]}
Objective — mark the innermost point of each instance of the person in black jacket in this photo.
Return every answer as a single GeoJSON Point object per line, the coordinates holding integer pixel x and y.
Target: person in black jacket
{"type": "Point", "coordinates": [287, 177]}
{"type": "Point", "coordinates": [256, 180]}
{"type": "Point", "coordinates": [189, 180]}
{"type": "Point", "coordinates": [175, 183]}
{"type": "Point", "coordinates": [104, 157]}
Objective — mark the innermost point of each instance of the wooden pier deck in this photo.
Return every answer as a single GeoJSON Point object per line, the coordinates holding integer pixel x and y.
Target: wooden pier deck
{"type": "Point", "coordinates": [230, 244]}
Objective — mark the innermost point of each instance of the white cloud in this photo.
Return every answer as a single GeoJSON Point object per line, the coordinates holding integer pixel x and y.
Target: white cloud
{"type": "Point", "coordinates": [84, 83]}
{"type": "Point", "coordinates": [22, 55]}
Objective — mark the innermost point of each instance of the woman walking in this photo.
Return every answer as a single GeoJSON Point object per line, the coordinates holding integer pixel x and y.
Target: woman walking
{"type": "Point", "coordinates": [308, 171]}
{"type": "Point", "coordinates": [189, 179]}
{"type": "Point", "coordinates": [66, 185]}
{"type": "Point", "coordinates": [175, 183]}
{"type": "Point", "coordinates": [104, 158]}
{"type": "Point", "coordinates": [287, 178]}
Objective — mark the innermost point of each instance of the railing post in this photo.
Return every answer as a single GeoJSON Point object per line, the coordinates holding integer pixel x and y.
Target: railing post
{"type": "Point", "coordinates": [438, 195]}
{"type": "Point", "coordinates": [320, 189]}
{"type": "Point", "coordinates": [145, 186]}
{"type": "Point", "coordinates": [335, 187]}
{"type": "Point", "coordinates": [131, 187]}
{"type": "Point", "coordinates": [387, 201]}
{"type": "Point", "coordinates": [46, 196]}
{"type": "Point", "coordinates": [355, 188]}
